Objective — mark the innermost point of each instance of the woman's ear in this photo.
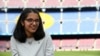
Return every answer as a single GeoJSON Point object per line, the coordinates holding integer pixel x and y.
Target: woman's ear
{"type": "Point", "coordinates": [22, 23]}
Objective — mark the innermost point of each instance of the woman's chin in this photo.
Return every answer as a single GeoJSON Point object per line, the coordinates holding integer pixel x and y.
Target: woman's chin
{"type": "Point", "coordinates": [33, 31]}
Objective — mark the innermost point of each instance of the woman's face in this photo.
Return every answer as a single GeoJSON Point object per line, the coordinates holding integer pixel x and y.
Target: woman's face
{"type": "Point", "coordinates": [31, 23]}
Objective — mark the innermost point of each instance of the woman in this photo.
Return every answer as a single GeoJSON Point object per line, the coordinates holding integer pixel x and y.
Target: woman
{"type": "Point", "coordinates": [29, 38]}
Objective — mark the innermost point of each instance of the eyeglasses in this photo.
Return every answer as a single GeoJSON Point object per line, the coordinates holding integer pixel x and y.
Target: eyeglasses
{"type": "Point", "coordinates": [31, 20]}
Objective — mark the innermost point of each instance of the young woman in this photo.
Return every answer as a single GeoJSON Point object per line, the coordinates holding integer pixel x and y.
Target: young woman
{"type": "Point", "coordinates": [29, 38]}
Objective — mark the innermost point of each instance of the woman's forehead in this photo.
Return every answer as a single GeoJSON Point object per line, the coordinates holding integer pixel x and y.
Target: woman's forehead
{"type": "Point", "coordinates": [32, 15]}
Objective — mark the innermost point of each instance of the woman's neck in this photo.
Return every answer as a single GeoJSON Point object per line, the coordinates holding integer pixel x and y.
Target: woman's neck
{"type": "Point", "coordinates": [29, 35]}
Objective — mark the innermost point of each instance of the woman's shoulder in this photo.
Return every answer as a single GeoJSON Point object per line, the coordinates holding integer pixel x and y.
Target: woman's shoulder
{"type": "Point", "coordinates": [13, 39]}
{"type": "Point", "coordinates": [47, 35]}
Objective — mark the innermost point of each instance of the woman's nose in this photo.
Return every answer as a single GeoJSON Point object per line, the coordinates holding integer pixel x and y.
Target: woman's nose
{"type": "Point", "coordinates": [34, 23]}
